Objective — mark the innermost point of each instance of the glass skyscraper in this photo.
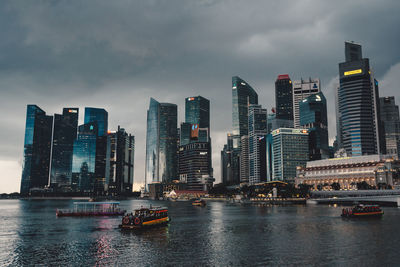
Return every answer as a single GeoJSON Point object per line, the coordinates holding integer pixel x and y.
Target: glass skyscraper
{"type": "Point", "coordinates": [284, 98]}
{"type": "Point", "coordinates": [359, 127]}
{"type": "Point", "coordinates": [84, 157]}
{"type": "Point", "coordinates": [161, 142]}
{"type": "Point", "coordinates": [64, 135]}
{"type": "Point", "coordinates": [37, 146]}
{"type": "Point", "coordinates": [286, 150]}
{"type": "Point", "coordinates": [313, 116]}
{"type": "Point", "coordinates": [301, 90]}
{"type": "Point", "coordinates": [391, 121]}
{"type": "Point", "coordinates": [257, 132]}
{"type": "Point", "coordinates": [243, 95]}
{"type": "Point", "coordinates": [98, 115]}
{"type": "Point", "coordinates": [194, 160]}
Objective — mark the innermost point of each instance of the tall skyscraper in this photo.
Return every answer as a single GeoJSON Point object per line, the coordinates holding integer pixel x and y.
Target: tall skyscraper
{"type": "Point", "coordinates": [284, 98]}
{"type": "Point", "coordinates": [120, 162]}
{"type": "Point", "coordinates": [391, 121]}
{"type": "Point", "coordinates": [273, 123]}
{"type": "Point", "coordinates": [257, 133]}
{"type": "Point", "coordinates": [100, 116]}
{"type": "Point", "coordinates": [161, 142]}
{"type": "Point", "coordinates": [84, 158]}
{"type": "Point", "coordinates": [301, 90]}
{"type": "Point", "coordinates": [359, 131]}
{"type": "Point", "coordinates": [244, 159]}
{"type": "Point", "coordinates": [286, 150]}
{"type": "Point", "coordinates": [37, 145]}
{"type": "Point", "coordinates": [64, 134]}
{"type": "Point", "coordinates": [313, 116]}
{"type": "Point", "coordinates": [197, 111]}
{"type": "Point", "coordinates": [195, 162]}
{"type": "Point", "coordinates": [243, 95]}
{"type": "Point", "coordinates": [229, 162]}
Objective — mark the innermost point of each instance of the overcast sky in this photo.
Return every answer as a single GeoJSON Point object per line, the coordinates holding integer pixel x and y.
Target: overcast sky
{"type": "Point", "coordinates": [117, 54]}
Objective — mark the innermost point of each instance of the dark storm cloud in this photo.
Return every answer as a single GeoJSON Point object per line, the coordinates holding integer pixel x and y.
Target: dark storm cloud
{"type": "Point", "coordinates": [116, 54]}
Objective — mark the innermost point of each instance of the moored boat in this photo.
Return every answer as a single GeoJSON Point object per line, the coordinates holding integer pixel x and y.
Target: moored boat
{"type": "Point", "coordinates": [362, 211]}
{"type": "Point", "coordinates": [145, 218]}
{"type": "Point", "coordinates": [92, 209]}
{"type": "Point", "coordinates": [199, 202]}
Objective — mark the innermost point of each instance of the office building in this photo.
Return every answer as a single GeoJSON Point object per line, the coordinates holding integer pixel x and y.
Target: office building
{"type": "Point", "coordinates": [194, 158]}
{"type": "Point", "coordinates": [243, 95]}
{"type": "Point", "coordinates": [244, 159]}
{"type": "Point", "coordinates": [161, 142]}
{"type": "Point", "coordinates": [98, 115]}
{"type": "Point", "coordinates": [284, 97]}
{"type": "Point", "coordinates": [313, 117]}
{"type": "Point", "coordinates": [257, 146]}
{"type": "Point", "coordinates": [230, 161]}
{"type": "Point", "coordinates": [301, 90]}
{"type": "Point", "coordinates": [84, 158]}
{"type": "Point", "coordinates": [64, 134]}
{"type": "Point", "coordinates": [120, 162]}
{"type": "Point", "coordinates": [273, 123]}
{"type": "Point", "coordinates": [286, 150]}
{"type": "Point", "coordinates": [360, 131]}
{"type": "Point", "coordinates": [391, 122]}
{"type": "Point", "coordinates": [37, 146]}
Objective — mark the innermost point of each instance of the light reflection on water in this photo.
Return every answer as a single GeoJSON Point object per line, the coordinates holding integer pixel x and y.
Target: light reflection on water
{"type": "Point", "coordinates": [218, 234]}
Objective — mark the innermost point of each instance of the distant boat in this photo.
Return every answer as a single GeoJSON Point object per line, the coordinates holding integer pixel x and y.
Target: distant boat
{"type": "Point", "coordinates": [362, 211]}
{"type": "Point", "coordinates": [145, 218]}
{"type": "Point", "coordinates": [199, 202]}
{"type": "Point", "coordinates": [92, 209]}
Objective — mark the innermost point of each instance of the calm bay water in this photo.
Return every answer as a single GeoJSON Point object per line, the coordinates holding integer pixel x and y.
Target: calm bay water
{"type": "Point", "coordinates": [220, 234]}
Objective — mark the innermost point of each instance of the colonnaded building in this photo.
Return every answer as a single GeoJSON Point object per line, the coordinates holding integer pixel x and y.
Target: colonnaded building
{"type": "Point", "coordinates": [348, 171]}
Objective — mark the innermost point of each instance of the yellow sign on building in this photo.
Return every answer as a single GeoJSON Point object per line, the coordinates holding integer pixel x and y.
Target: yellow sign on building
{"type": "Point", "coordinates": [352, 72]}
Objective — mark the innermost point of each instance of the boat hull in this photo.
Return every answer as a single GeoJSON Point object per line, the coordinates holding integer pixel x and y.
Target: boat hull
{"type": "Point", "coordinates": [364, 215]}
{"type": "Point", "coordinates": [89, 214]}
{"type": "Point", "coordinates": [145, 225]}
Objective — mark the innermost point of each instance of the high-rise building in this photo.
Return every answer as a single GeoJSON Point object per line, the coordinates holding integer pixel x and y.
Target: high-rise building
{"type": "Point", "coordinates": [37, 146]}
{"type": "Point", "coordinates": [98, 115]}
{"type": "Point", "coordinates": [120, 162]}
{"type": "Point", "coordinates": [301, 90]}
{"type": "Point", "coordinates": [244, 159]}
{"type": "Point", "coordinates": [360, 130]}
{"type": "Point", "coordinates": [286, 150]}
{"type": "Point", "coordinates": [64, 134]}
{"type": "Point", "coordinates": [229, 163]}
{"type": "Point", "coordinates": [284, 98]}
{"type": "Point", "coordinates": [161, 142]}
{"type": "Point", "coordinates": [197, 111]}
{"type": "Point", "coordinates": [84, 158]}
{"type": "Point", "coordinates": [243, 95]}
{"type": "Point", "coordinates": [314, 117]}
{"type": "Point", "coordinates": [257, 133]}
{"type": "Point", "coordinates": [391, 121]}
{"type": "Point", "coordinates": [194, 159]}
{"type": "Point", "coordinates": [273, 123]}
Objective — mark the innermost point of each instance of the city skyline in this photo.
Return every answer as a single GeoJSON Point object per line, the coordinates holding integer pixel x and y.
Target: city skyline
{"type": "Point", "coordinates": [125, 94]}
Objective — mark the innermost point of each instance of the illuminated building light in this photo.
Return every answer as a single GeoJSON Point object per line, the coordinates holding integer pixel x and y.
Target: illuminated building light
{"type": "Point", "coordinates": [352, 72]}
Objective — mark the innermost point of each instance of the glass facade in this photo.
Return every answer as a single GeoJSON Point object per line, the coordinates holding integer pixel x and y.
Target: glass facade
{"type": "Point", "coordinates": [289, 150]}
{"type": "Point", "coordinates": [391, 122]}
{"type": "Point", "coordinates": [359, 131]}
{"type": "Point", "coordinates": [301, 90]}
{"type": "Point", "coordinates": [284, 98]}
{"type": "Point", "coordinates": [314, 117]}
{"type": "Point", "coordinates": [84, 157]}
{"type": "Point", "coordinates": [257, 132]}
{"type": "Point", "coordinates": [98, 115]}
{"type": "Point", "coordinates": [161, 142]}
{"type": "Point", "coordinates": [64, 135]}
{"type": "Point", "coordinates": [242, 96]}
{"type": "Point", "coordinates": [37, 146]}
{"type": "Point", "coordinates": [197, 111]}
